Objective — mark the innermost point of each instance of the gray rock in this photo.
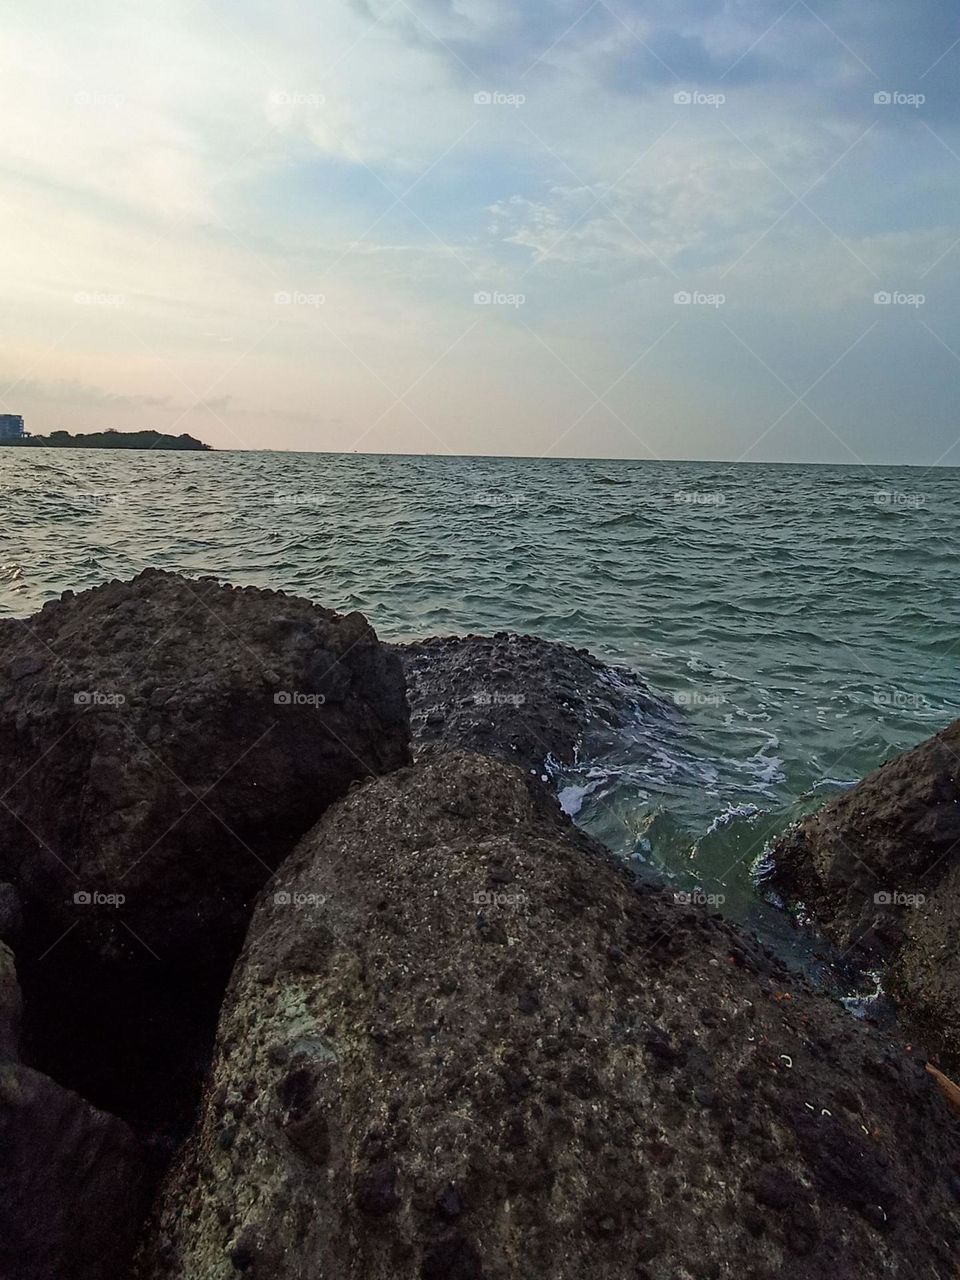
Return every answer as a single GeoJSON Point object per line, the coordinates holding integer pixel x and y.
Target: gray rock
{"type": "Point", "coordinates": [460, 1042]}
{"type": "Point", "coordinates": [520, 698]}
{"type": "Point", "coordinates": [878, 870]}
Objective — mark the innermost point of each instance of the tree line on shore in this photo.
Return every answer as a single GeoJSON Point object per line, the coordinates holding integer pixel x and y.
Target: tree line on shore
{"type": "Point", "coordinates": [111, 439]}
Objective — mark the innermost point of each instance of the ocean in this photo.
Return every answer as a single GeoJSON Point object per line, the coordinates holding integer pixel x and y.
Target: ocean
{"type": "Point", "coordinates": [803, 619]}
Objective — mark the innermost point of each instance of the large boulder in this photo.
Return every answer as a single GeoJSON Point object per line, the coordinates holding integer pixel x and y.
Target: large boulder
{"type": "Point", "coordinates": [73, 1182]}
{"type": "Point", "coordinates": [521, 698]}
{"type": "Point", "coordinates": [462, 1044]}
{"type": "Point", "coordinates": [878, 870]}
{"type": "Point", "coordinates": [163, 745]}
{"type": "Point", "coordinates": [168, 741]}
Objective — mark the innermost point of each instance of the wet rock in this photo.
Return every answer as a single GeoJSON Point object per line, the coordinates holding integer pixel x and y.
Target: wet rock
{"type": "Point", "coordinates": [519, 698]}
{"type": "Point", "coordinates": [476, 1140]}
{"type": "Point", "coordinates": [878, 870]}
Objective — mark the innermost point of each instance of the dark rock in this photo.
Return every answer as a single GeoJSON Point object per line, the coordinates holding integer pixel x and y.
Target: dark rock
{"type": "Point", "coordinates": [189, 831]}
{"type": "Point", "coordinates": [528, 1002]}
{"type": "Point", "coordinates": [227, 1137]}
{"type": "Point", "coordinates": [26, 664]}
{"type": "Point", "coordinates": [74, 1184]}
{"type": "Point", "coordinates": [778, 1190]}
{"type": "Point", "coordinates": [520, 698]}
{"type": "Point", "coordinates": [377, 1190]}
{"type": "Point", "coordinates": [11, 1006]}
{"type": "Point", "coordinates": [450, 1203]}
{"type": "Point", "coordinates": [151, 785]}
{"type": "Point", "coordinates": [452, 1259]}
{"type": "Point", "coordinates": [11, 915]}
{"type": "Point", "coordinates": [547, 1133]}
{"type": "Point", "coordinates": [878, 869]}
{"type": "Point", "coordinates": [243, 1255]}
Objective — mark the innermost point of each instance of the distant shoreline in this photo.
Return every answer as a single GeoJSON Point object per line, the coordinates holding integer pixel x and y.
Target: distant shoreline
{"type": "Point", "coordinates": [110, 440]}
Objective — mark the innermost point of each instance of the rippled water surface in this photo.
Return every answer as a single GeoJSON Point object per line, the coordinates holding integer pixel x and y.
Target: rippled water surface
{"type": "Point", "coordinates": [805, 619]}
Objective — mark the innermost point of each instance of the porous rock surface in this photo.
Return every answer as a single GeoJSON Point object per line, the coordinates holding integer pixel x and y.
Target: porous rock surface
{"type": "Point", "coordinates": [461, 1043]}
{"type": "Point", "coordinates": [73, 1182]}
{"type": "Point", "coordinates": [520, 698]}
{"type": "Point", "coordinates": [164, 743]}
{"type": "Point", "coordinates": [171, 739]}
{"type": "Point", "coordinates": [878, 870]}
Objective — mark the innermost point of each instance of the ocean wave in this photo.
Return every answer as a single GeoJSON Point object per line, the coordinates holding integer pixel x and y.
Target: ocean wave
{"type": "Point", "coordinates": [731, 813]}
{"type": "Point", "coordinates": [627, 518]}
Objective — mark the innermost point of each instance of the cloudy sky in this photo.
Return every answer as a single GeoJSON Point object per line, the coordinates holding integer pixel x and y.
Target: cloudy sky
{"type": "Point", "coordinates": [609, 228]}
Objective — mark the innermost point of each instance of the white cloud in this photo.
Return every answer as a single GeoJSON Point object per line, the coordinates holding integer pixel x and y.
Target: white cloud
{"type": "Point", "coordinates": [197, 160]}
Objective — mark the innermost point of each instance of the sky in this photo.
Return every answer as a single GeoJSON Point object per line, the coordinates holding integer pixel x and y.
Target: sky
{"type": "Point", "coordinates": [717, 229]}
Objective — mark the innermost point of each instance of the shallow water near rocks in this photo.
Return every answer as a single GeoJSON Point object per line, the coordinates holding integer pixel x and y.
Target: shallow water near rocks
{"type": "Point", "coordinates": [802, 619]}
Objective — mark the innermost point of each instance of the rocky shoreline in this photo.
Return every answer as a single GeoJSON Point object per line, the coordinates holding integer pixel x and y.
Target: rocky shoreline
{"type": "Point", "coordinates": [878, 870]}
{"type": "Point", "coordinates": [312, 977]}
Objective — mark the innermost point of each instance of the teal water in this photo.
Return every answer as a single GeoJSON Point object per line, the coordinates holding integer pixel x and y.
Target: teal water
{"type": "Point", "coordinates": [804, 619]}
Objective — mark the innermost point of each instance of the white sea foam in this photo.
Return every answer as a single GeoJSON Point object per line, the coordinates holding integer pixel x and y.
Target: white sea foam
{"type": "Point", "coordinates": [767, 769]}
{"type": "Point", "coordinates": [863, 1005]}
{"type": "Point", "coordinates": [571, 798]}
{"type": "Point", "coordinates": [730, 813]}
